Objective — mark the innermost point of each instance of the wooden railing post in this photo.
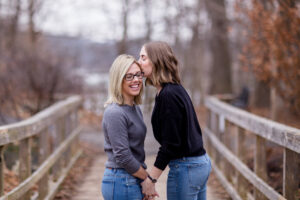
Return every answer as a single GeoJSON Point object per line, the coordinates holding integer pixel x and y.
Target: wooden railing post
{"type": "Point", "coordinates": [291, 168]}
{"type": "Point", "coordinates": [67, 133]}
{"type": "Point", "coordinates": [62, 133]}
{"type": "Point", "coordinates": [240, 151]}
{"type": "Point", "coordinates": [264, 130]}
{"type": "Point", "coordinates": [57, 141]}
{"type": "Point", "coordinates": [260, 164]}
{"type": "Point", "coordinates": [44, 150]}
{"type": "Point", "coordinates": [25, 162]}
{"type": "Point", "coordinates": [227, 168]}
{"type": "Point", "coordinates": [215, 129]}
{"type": "Point", "coordinates": [74, 121]}
{"type": "Point", "coordinates": [207, 142]}
{"type": "Point", "coordinates": [2, 166]}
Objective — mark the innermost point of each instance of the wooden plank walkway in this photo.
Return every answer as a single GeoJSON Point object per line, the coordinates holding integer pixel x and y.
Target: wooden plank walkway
{"type": "Point", "coordinates": [90, 189]}
{"type": "Point", "coordinates": [91, 186]}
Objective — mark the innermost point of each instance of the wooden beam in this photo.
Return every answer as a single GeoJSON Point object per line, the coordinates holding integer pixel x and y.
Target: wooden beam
{"type": "Point", "coordinates": [2, 168]}
{"type": "Point", "coordinates": [34, 125]}
{"type": "Point", "coordinates": [291, 174]}
{"type": "Point", "coordinates": [44, 150]}
{"type": "Point", "coordinates": [280, 134]}
{"type": "Point", "coordinates": [23, 187]}
{"type": "Point", "coordinates": [260, 164]}
{"type": "Point", "coordinates": [25, 162]}
{"type": "Point", "coordinates": [256, 181]}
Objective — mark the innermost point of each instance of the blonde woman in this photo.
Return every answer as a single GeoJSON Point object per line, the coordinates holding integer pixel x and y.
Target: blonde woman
{"type": "Point", "coordinates": [124, 132]}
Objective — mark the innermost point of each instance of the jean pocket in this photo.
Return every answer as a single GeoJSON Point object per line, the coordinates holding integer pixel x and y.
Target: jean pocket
{"type": "Point", "coordinates": [198, 175]}
{"type": "Point", "coordinates": [107, 188]}
{"type": "Point", "coordinates": [134, 191]}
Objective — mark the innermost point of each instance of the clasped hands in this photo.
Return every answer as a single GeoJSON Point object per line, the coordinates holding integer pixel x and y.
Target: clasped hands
{"type": "Point", "coordinates": [148, 189]}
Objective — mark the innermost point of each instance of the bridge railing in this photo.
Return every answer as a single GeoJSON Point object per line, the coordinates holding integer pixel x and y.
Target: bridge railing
{"type": "Point", "coordinates": [227, 141]}
{"type": "Point", "coordinates": [52, 134]}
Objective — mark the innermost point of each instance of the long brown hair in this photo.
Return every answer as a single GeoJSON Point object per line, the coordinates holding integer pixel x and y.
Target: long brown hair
{"type": "Point", "coordinates": [165, 64]}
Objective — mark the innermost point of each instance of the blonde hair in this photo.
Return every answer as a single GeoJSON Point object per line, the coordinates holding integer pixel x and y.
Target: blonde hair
{"type": "Point", "coordinates": [116, 75]}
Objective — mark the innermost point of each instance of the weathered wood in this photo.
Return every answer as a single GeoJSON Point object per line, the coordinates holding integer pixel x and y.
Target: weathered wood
{"type": "Point", "coordinates": [240, 152]}
{"type": "Point", "coordinates": [291, 174]}
{"type": "Point", "coordinates": [25, 162]}
{"type": "Point", "coordinates": [228, 187]}
{"type": "Point", "coordinates": [208, 124]}
{"type": "Point", "coordinates": [23, 187]}
{"type": "Point", "coordinates": [208, 119]}
{"type": "Point", "coordinates": [32, 126]}
{"type": "Point", "coordinates": [2, 165]}
{"type": "Point", "coordinates": [218, 157]}
{"type": "Point", "coordinates": [256, 181]}
{"type": "Point", "coordinates": [56, 142]}
{"type": "Point", "coordinates": [226, 140]}
{"type": "Point", "coordinates": [278, 133]}
{"type": "Point", "coordinates": [67, 156]}
{"type": "Point", "coordinates": [44, 150]}
{"type": "Point", "coordinates": [55, 187]}
{"type": "Point", "coordinates": [260, 163]}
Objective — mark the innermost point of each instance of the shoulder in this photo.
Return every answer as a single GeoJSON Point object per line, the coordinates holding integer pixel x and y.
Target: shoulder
{"type": "Point", "coordinates": [171, 91]}
{"type": "Point", "coordinates": [113, 111]}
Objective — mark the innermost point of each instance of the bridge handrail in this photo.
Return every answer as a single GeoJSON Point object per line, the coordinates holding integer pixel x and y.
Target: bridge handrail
{"type": "Point", "coordinates": [280, 134]}
{"type": "Point", "coordinates": [33, 125]}
{"type": "Point", "coordinates": [55, 131]}
{"type": "Point", "coordinates": [225, 137]}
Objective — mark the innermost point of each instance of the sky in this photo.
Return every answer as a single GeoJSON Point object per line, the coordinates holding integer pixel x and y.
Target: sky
{"type": "Point", "coordinates": [92, 19]}
{"type": "Point", "coordinates": [99, 20]}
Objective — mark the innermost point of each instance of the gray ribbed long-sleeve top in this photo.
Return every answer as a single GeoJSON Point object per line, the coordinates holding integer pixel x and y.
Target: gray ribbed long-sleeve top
{"type": "Point", "coordinates": [125, 132]}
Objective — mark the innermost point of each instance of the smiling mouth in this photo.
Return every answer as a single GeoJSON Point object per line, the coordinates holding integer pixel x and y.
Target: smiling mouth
{"type": "Point", "coordinates": [136, 86]}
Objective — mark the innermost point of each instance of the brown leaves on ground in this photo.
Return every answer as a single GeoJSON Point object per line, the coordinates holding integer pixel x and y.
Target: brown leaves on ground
{"type": "Point", "coordinates": [78, 172]}
{"type": "Point", "coordinates": [11, 180]}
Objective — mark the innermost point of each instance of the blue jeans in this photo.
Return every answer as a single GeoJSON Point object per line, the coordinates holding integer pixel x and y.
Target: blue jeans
{"type": "Point", "coordinates": [188, 177]}
{"type": "Point", "coordinates": [117, 184]}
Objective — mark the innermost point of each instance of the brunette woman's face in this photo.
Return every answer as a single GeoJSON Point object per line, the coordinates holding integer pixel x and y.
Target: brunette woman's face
{"type": "Point", "coordinates": [145, 63]}
{"type": "Point", "coordinates": [132, 82]}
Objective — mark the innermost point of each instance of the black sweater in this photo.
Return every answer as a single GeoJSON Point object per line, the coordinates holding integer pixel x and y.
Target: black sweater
{"type": "Point", "coordinates": [175, 126]}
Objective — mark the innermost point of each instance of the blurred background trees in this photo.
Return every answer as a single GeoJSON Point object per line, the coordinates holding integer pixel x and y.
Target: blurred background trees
{"type": "Point", "coordinates": [272, 50]}
{"type": "Point", "coordinates": [32, 72]}
{"type": "Point", "coordinates": [223, 46]}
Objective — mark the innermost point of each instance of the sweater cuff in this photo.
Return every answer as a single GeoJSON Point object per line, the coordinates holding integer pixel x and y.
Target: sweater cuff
{"type": "Point", "coordinates": [161, 163]}
{"type": "Point", "coordinates": [133, 167]}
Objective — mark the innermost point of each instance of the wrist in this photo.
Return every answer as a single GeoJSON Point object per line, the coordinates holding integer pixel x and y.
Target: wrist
{"type": "Point", "coordinates": [153, 180]}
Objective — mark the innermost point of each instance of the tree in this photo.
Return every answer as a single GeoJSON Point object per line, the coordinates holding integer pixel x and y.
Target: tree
{"type": "Point", "coordinates": [32, 74]}
{"type": "Point", "coordinates": [273, 47]}
{"type": "Point", "coordinates": [221, 61]}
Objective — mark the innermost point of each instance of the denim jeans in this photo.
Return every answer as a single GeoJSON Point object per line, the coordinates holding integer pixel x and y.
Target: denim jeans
{"type": "Point", "coordinates": [188, 177]}
{"type": "Point", "coordinates": [117, 184]}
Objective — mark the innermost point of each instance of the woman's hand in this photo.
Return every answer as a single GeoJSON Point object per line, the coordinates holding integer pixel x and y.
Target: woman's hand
{"type": "Point", "coordinates": [148, 189]}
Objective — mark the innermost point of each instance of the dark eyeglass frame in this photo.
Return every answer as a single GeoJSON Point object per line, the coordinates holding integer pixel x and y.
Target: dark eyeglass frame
{"type": "Point", "coordinates": [130, 77]}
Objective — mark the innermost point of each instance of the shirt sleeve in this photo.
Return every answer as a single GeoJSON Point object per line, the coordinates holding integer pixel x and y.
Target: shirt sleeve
{"type": "Point", "coordinates": [171, 126]}
{"type": "Point", "coordinates": [117, 132]}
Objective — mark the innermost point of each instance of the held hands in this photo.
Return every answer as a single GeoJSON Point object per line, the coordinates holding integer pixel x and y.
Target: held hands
{"type": "Point", "coordinates": [149, 189]}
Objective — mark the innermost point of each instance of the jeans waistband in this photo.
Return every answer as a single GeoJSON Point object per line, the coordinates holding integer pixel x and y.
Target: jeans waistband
{"type": "Point", "coordinates": [194, 158]}
{"type": "Point", "coordinates": [117, 170]}
{"type": "Point", "coordinates": [119, 173]}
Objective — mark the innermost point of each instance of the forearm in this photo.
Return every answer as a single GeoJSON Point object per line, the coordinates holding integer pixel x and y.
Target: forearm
{"type": "Point", "coordinates": [141, 173]}
{"type": "Point", "coordinates": [155, 172]}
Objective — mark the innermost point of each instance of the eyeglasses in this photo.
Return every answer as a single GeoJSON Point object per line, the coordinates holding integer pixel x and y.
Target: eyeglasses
{"type": "Point", "coordinates": [130, 77]}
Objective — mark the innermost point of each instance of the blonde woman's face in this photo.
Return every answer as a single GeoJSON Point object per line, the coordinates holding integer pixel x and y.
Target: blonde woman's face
{"type": "Point", "coordinates": [145, 63]}
{"type": "Point", "coordinates": [132, 82]}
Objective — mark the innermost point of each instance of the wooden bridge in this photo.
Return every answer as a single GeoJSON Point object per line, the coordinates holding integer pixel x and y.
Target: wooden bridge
{"type": "Point", "coordinates": [230, 136]}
